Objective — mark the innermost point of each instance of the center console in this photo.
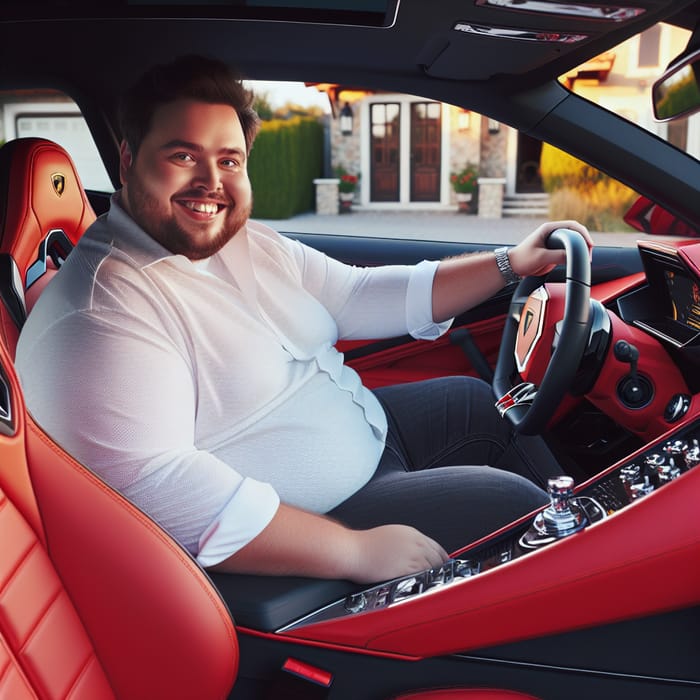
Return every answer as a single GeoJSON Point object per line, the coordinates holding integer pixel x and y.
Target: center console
{"type": "Point", "coordinates": [568, 514]}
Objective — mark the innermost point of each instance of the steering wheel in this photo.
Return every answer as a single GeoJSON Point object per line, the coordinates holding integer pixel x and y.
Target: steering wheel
{"type": "Point", "coordinates": [527, 406]}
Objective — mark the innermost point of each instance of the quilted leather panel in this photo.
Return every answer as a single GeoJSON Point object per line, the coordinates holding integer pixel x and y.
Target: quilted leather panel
{"type": "Point", "coordinates": [45, 644]}
{"type": "Point", "coordinates": [13, 684]}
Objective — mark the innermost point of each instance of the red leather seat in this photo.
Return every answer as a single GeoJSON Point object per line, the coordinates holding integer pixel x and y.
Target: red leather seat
{"type": "Point", "coordinates": [96, 601]}
{"type": "Point", "coordinates": [43, 212]}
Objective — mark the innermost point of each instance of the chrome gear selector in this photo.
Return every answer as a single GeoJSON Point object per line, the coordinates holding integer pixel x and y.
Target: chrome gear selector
{"type": "Point", "coordinates": [562, 517]}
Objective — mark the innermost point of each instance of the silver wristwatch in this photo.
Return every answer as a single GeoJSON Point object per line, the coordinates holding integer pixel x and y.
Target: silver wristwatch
{"type": "Point", "coordinates": [503, 262]}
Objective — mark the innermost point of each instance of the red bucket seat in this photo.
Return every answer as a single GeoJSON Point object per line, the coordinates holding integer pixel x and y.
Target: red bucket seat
{"type": "Point", "coordinates": [96, 601]}
{"type": "Point", "coordinates": [43, 212]}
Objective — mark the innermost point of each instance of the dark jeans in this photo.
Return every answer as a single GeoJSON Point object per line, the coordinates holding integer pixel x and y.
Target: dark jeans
{"type": "Point", "coordinates": [452, 467]}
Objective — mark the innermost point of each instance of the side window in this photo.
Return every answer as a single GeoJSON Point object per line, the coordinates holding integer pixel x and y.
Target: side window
{"type": "Point", "coordinates": [59, 120]}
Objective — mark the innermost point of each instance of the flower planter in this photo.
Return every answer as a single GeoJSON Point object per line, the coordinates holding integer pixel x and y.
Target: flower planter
{"type": "Point", "coordinates": [464, 201]}
{"type": "Point", "coordinates": [346, 200]}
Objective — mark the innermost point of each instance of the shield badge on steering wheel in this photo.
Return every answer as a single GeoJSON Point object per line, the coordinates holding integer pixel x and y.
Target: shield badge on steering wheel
{"type": "Point", "coordinates": [530, 327]}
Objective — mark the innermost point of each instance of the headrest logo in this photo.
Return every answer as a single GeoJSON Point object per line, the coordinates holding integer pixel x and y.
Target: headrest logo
{"type": "Point", "coordinates": [529, 318]}
{"type": "Point", "coordinates": [58, 180]}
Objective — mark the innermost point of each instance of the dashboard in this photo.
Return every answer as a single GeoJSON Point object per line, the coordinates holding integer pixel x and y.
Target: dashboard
{"type": "Point", "coordinates": [685, 299]}
{"type": "Point", "coordinates": [668, 306]}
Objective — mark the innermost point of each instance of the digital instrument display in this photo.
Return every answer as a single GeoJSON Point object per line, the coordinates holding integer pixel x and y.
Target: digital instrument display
{"type": "Point", "coordinates": [685, 298]}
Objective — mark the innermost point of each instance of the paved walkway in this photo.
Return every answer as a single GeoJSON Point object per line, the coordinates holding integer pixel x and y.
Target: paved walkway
{"type": "Point", "coordinates": [429, 225]}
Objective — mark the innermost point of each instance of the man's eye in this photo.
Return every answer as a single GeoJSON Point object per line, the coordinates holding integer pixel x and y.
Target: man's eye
{"type": "Point", "coordinates": [183, 157]}
{"type": "Point", "coordinates": [230, 163]}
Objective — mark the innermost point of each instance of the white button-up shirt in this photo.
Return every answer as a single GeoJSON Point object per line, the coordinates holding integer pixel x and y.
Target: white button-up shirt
{"type": "Point", "coordinates": [207, 391]}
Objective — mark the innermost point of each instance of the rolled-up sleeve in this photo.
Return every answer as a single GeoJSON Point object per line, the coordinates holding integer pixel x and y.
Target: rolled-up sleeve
{"type": "Point", "coordinates": [419, 303]}
{"type": "Point", "coordinates": [244, 517]}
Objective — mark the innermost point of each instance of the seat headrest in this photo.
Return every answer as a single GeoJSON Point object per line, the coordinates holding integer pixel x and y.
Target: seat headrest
{"type": "Point", "coordinates": [40, 191]}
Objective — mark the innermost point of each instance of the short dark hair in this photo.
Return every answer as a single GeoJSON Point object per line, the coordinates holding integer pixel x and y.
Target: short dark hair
{"type": "Point", "coordinates": [187, 77]}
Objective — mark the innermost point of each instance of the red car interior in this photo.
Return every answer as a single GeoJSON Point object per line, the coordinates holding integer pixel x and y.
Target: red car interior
{"type": "Point", "coordinates": [83, 612]}
{"type": "Point", "coordinates": [43, 212]}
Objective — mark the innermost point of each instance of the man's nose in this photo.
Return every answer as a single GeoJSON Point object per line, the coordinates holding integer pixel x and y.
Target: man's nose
{"type": "Point", "coordinates": [206, 176]}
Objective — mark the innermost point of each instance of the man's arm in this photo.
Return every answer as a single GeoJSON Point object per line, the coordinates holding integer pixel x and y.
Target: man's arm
{"type": "Point", "coordinates": [298, 543]}
{"type": "Point", "coordinates": [462, 282]}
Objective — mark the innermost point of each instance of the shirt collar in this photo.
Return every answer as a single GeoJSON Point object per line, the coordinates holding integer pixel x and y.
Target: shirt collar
{"type": "Point", "coordinates": [131, 239]}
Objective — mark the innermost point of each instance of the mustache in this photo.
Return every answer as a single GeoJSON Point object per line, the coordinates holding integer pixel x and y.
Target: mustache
{"type": "Point", "coordinates": [215, 197]}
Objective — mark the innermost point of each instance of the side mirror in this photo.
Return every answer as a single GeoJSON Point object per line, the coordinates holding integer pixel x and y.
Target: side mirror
{"type": "Point", "coordinates": [677, 92]}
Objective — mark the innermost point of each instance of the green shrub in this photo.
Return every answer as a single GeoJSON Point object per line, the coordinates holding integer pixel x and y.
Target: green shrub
{"type": "Point", "coordinates": [581, 192]}
{"type": "Point", "coordinates": [286, 158]}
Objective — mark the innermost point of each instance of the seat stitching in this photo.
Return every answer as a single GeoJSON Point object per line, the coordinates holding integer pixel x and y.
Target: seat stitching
{"type": "Point", "coordinates": [40, 620]}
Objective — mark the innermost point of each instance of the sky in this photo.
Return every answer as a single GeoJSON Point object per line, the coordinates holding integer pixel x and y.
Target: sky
{"type": "Point", "coordinates": [280, 93]}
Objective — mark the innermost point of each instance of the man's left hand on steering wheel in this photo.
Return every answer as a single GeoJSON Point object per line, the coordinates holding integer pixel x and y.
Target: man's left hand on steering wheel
{"type": "Point", "coordinates": [532, 258]}
{"type": "Point", "coordinates": [526, 347]}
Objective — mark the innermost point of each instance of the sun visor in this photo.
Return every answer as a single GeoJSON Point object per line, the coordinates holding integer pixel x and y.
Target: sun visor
{"type": "Point", "coordinates": [478, 52]}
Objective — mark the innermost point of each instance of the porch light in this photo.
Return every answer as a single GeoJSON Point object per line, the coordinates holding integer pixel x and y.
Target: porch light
{"type": "Point", "coordinates": [494, 126]}
{"type": "Point", "coordinates": [463, 119]}
{"type": "Point", "coordinates": [346, 118]}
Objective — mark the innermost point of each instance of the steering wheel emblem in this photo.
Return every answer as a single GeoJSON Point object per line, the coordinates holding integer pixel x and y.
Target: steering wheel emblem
{"type": "Point", "coordinates": [530, 327]}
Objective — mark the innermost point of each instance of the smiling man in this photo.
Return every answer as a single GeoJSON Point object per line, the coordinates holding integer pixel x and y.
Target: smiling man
{"type": "Point", "coordinates": [187, 355]}
{"type": "Point", "coordinates": [191, 196]}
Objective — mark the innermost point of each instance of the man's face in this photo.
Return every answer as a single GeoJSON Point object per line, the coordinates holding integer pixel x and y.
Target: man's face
{"type": "Point", "coordinates": [188, 185]}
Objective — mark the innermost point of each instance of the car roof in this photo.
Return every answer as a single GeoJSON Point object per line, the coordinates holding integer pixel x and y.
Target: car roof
{"type": "Point", "coordinates": [325, 40]}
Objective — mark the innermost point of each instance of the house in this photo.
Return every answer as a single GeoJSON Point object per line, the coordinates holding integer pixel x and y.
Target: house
{"type": "Point", "coordinates": [405, 148]}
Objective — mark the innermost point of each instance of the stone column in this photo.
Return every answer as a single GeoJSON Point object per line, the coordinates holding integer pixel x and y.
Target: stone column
{"type": "Point", "coordinates": [327, 195]}
{"type": "Point", "coordinates": [491, 191]}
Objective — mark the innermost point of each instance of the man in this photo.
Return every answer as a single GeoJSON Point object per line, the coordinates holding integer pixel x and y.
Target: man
{"type": "Point", "coordinates": [186, 354]}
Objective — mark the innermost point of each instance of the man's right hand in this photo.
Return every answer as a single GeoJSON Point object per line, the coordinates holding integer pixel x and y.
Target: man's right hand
{"type": "Point", "coordinates": [390, 551]}
{"type": "Point", "coordinates": [298, 543]}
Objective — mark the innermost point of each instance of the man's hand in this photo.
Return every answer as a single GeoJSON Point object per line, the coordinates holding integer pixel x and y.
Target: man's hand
{"type": "Point", "coordinates": [298, 543]}
{"type": "Point", "coordinates": [532, 257]}
{"type": "Point", "coordinates": [390, 551]}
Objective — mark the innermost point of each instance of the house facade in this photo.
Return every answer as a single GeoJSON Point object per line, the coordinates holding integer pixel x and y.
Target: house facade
{"type": "Point", "coordinates": [405, 148]}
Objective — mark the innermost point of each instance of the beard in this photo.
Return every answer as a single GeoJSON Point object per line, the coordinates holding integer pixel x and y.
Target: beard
{"type": "Point", "coordinates": [162, 225]}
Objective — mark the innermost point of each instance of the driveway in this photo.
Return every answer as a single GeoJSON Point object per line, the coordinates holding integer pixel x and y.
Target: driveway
{"type": "Point", "coordinates": [436, 225]}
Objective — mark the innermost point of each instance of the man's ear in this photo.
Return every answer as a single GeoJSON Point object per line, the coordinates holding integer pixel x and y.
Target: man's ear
{"type": "Point", "coordinates": [125, 160]}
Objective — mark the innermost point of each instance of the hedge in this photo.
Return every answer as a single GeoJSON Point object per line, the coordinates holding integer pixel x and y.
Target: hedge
{"type": "Point", "coordinates": [286, 158]}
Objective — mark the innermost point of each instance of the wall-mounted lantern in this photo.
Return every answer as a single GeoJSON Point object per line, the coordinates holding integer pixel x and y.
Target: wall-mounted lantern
{"type": "Point", "coordinates": [463, 120]}
{"type": "Point", "coordinates": [346, 118]}
{"type": "Point", "coordinates": [494, 126]}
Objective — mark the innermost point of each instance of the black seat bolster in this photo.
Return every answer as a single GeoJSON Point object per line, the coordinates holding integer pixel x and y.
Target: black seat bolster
{"type": "Point", "coordinates": [11, 290]}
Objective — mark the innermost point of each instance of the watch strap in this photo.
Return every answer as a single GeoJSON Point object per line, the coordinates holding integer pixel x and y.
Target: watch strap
{"type": "Point", "coordinates": [503, 262]}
